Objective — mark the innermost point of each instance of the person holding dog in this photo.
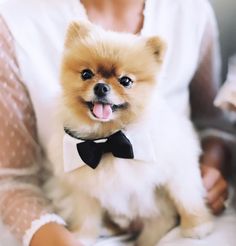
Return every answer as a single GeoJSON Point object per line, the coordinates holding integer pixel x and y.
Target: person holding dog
{"type": "Point", "coordinates": [30, 30]}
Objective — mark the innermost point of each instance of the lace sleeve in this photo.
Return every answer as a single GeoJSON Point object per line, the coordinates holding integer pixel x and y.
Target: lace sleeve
{"type": "Point", "coordinates": [21, 201]}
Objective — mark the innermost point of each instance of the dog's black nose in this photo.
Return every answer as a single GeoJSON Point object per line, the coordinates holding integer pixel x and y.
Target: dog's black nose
{"type": "Point", "coordinates": [101, 89]}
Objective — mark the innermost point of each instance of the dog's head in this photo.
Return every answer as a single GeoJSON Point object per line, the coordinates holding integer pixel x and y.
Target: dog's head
{"type": "Point", "coordinates": [107, 78]}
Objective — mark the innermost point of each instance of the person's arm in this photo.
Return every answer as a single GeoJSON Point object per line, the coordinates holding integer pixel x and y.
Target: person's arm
{"type": "Point", "coordinates": [23, 207]}
{"type": "Point", "coordinates": [208, 119]}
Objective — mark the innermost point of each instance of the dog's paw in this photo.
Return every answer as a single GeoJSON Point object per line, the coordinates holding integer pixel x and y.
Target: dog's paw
{"type": "Point", "coordinates": [199, 231]}
{"type": "Point", "coordinates": [122, 221]}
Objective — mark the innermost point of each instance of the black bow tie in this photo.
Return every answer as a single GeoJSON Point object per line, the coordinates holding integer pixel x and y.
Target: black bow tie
{"type": "Point", "coordinates": [91, 152]}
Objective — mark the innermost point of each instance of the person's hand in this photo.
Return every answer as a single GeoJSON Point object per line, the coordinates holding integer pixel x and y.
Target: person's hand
{"type": "Point", "coordinates": [215, 167]}
{"type": "Point", "coordinates": [53, 234]}
{"type": "Point", "coordinates": [216, 187]}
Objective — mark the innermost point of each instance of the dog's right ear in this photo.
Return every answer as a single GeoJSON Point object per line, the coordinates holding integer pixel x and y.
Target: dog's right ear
{"type": "Point", "coordinates": [157, 46]}
{"type": "Point", "coordinates": [76, 31]}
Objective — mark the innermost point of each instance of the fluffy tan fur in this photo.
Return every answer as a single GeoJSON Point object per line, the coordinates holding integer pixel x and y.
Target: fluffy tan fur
{"type": "Point", "coordinates": [151, 189]}
{"type": "Point", "coordinates": [109, 61]}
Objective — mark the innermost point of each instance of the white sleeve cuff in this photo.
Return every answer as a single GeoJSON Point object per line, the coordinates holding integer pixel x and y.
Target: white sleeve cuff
{"type": "Point", "coordinates": [217, 133]}
{"type": "Point", "coordinates": [37, 224]}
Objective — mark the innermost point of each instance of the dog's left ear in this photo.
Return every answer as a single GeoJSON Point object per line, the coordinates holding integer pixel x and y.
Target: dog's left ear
{"type": "Point", "coordinates": [76, 31]}
{"type": "Point", "coordinates": [157, 47]}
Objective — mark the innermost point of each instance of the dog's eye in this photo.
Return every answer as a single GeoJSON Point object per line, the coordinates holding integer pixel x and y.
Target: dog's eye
{"type": "Point", "coordinates": [126, 81]}
{"type": "Point", "coordinates": [86, 74]}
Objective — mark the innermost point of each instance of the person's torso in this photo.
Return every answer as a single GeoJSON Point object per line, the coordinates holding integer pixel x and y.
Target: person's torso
{"type": "Point", "coordinates": [39, 29]}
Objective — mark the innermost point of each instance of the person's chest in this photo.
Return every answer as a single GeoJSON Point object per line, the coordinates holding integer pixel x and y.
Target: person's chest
{"type": "Point", "coordinates": [40, 40]}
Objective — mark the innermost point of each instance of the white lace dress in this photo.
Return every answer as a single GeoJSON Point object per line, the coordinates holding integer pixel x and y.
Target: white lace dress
{"type": "Point", "coordinates": [21, 199]}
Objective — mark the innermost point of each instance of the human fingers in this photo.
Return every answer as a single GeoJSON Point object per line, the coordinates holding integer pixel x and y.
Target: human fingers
{"type": "Point", "coordinates": [210, 176]}
{"type": "Point", "coordinates": [218, 190]}
{"type": "Point", "coordinates": [219, 205]}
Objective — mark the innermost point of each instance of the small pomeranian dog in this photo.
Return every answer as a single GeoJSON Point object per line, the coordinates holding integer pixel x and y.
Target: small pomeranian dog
{"type": "Point", "coordinates": [118, 148]}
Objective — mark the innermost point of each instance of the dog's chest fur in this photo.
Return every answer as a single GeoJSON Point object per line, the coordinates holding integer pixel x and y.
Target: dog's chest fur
{"type": "Point", "coordinates": [122, 186]}
{"type": "Point", "coordinates": [128, 187]}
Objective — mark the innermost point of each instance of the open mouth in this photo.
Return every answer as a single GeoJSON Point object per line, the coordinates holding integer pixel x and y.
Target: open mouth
{"type": "Point", "coordinates": [103, 110]}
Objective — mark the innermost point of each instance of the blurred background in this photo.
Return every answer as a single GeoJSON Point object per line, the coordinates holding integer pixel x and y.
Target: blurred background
{"type": "Point", "coordinates": [226, 15]}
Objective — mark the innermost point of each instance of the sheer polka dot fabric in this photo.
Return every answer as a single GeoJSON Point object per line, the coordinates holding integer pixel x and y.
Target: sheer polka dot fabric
{"type": "Point", "coordinates": [21, 201]}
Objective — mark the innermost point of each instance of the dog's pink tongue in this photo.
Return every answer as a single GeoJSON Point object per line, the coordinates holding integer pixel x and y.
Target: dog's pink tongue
{"type": "Point", "coordinates": [102, 111]}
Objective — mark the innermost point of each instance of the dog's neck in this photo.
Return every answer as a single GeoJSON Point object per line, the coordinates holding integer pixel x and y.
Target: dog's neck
{"type": "Point", "coordinates": [80, 136]}
{"type": "Point", "coordinates": [96, 130]}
